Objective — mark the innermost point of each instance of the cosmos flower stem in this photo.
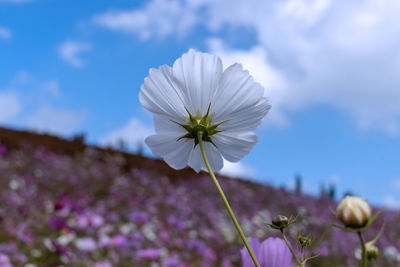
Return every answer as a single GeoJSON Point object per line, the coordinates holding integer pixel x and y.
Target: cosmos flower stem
{"type": "Point", "coordinates": [228, 207]}
{"type": "Point", "coordinates": [291, 250]}
{"type": "Point", "coordinates": [322, 237]}
{"type": "Point", "coordinates": [302, 254]}
{"type": "Point", "coordinates": [363, 250]}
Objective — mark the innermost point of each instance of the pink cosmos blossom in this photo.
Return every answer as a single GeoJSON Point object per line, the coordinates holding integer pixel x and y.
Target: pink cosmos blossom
{"type": "Point", "coordinates": [272, 252]}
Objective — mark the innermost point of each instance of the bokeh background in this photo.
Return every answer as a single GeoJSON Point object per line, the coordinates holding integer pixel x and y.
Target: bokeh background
{"type": "Point", "coordinates": [330, 69]}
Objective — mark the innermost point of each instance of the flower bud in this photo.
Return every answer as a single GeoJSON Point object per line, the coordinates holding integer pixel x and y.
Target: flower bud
{"type": "Point", "coordinates": [280, 221]}
{"type": "Point", "coordinates": [304, 241]}
{"type": "Point", "coordinates": [353, 211]}
{"type": "Point", "coordinates": [372, 252]}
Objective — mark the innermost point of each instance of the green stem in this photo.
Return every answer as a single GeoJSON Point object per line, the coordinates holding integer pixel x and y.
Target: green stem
{"type": "Point", "coordinates": [228, 207]}
{"type": "Point", "coordinates": [363, 250]}
{"type": "Point", "coordinates": [302, 254]}
{"type": "Point", "coordinates": [291, 250]}
{"type": "Point", "coordinates": [322, 237]}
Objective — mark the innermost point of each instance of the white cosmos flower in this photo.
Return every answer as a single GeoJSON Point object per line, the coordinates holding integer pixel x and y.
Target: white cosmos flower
{"type": "Point", "coordinates": [194, 84]}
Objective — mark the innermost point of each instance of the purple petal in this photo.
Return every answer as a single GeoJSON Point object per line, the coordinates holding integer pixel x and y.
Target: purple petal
{"type": "Point", "coordinates": [275, 253]}
{"type": "Point", "coordinates": [255, 246]}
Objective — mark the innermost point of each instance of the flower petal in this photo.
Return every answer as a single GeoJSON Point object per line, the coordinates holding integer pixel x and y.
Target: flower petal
{"type": "Point", "coordinates": [164, 125]}
{"type": "Point", "coordinates": [159, 95]}
{"type": "Point", "coordinates": [246, 119]}
{"type": "Point", "coordinates": [235, 145]}
{"type": "Point", "coordinates": [214, 158]}
{"type": "Point", "coordinates": [175, 153]}
{"type": "Point", "coordinates": [237, 90]}
{"type": "Point", "coordinates": [198, 75]}
{"type": "Point", "coordinates": [196, 80]}
{"type": "Point", "coordinates": [274, 253]}
{"type": "Point", "coordinates": [255, 245]}
{"type": "Point", "coordinates": [196, 160]}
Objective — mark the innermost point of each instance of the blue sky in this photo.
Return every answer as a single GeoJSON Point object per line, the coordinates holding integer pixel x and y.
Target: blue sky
{"type": "Point", "coordinates": [330, 71]}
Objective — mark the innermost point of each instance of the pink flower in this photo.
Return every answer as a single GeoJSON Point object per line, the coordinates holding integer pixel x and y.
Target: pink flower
{"type": "Point", "coordinates": [86, 244]}
{"type": "Point", "coordinates": [149, 254]}
{"type": "Point", "coordinates": [5, 261]}
{"type": "Point", "coordinates": [102, 264]}
{"type": "Point", "coordinates": [272, 252]}
{"type": "Point", "coordinates": [3, 149]}
{"type": "Point", "coordinates": [118, 240]}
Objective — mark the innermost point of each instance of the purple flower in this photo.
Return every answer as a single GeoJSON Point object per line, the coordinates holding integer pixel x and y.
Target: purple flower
{"type": "Point", "coordinates": [57, 223]}
{"type": "Point", "coordinates": [102, 264]}
{"type": "Point", "coordinates": [89, 219]}
{"type": "Point", "coordinates": [272, 252]}
{"type": "Point", "coordinates": [59, 248]}
{"type": "Point", "coordinates": [4, 261]}
{"type": "Point", "coordinates": [173, 261]}
{"type": "Point", "coordinates": [86, 244]}
{"type": "Point", "coordinates": [149, 254]}
{"type": "Point", "coordinates": [3, 149]}
{"type": "Point", "coordinates": [139, 217]}
{"type": "Point", "coordinates": [118, 240]}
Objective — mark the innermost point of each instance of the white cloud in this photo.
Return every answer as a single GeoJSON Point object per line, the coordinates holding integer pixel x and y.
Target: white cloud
{"type": "Point", "coordinates": [134, 132]}
{"type": "Point", "coordinates": [335, 179]}
{"type": "Point", "coordinates": [10, 106]}
{"type": "Point", "coordinates": [256, 61]}
{"type": "Point", "coordinates": [55, 120]}
{"type": "Point", "coordinates": [157, 18]}
{"type": "Point", "coordinates": [238, 169]}
{"type": "Point", "coordinates": [5, 33]}
{"type": "Point", "coordinates": [396, 183]}
{"type": "Point", "coordinates": [23, 78]}
{"type": "Point", "coordinates": [70, 51]}
{"type": "Point", "coordinates": [391, 202]}
{"type": "Point", "coordinates": [29, 104]}
{"type": "Point", "coordinates": [27, 82]}
{"type": "Point", "coordinates": [341, 54]}
{"type": "Point", "coordinates": [51, 87]}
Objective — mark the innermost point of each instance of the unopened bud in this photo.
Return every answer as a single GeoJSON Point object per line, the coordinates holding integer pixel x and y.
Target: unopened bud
{"type": "Point", "coordinates": [280, 221]}
{"type": "Point", "coordinates": [353, 211]}
{"type": "Point", "coordinates": [304, 241]}
{"type": "Point", "coordinates": [372, 252]}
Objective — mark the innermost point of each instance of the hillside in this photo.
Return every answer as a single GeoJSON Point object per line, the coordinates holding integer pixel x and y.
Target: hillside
{"type": "Point", "coordinates": [63, 203]}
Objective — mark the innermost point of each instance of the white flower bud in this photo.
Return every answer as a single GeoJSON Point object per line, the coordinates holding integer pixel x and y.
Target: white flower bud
{"type": "Point", "coordinates": [353, 211]}
{"type": "Point", "coordinates": [372, 252]}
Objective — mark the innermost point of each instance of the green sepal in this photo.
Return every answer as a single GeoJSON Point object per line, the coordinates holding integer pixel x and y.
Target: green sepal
{"type": "Point", "coordinates": [186, 127]}
{"type": "Point", "coordinates": [193, 121]}
{"type": "Point", "coordinates": [359, 229]}
{"type": "Point", "coordinates": [204, 121]}
{"type": "Point", "coordinates": [304, 241]}
{"type": "Point", "coordinates": [196, 125]}
{"type": "Point", "coordinates": [290, 221]}
{"type": "Point", "coordinates": [214, 127]}
{"type": "Point", "coordinates": [184, 136]}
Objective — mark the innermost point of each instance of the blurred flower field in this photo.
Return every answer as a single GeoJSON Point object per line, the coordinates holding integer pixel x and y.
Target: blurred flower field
{"type": "Point", "coordinates": [88, 210]}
